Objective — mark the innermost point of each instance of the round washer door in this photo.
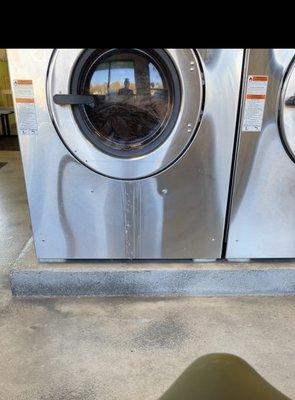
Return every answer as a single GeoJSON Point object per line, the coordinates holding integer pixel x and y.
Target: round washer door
{"type": "Point", "coordinates": [125, 113]}
{"type": "Point", "coordinates": [287, 112]}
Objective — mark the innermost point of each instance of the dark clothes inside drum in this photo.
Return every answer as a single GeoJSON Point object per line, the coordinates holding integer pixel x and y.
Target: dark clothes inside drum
{"type": "Point", "coordinates": [124, 123]}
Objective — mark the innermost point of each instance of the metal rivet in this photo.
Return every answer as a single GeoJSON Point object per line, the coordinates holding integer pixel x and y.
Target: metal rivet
{"type": "Point", "coordinates": [165, 191]}
{"type": "Point", "coordinates": [192, 63]}
{"type": "Point", "coordinates": [192, 68]}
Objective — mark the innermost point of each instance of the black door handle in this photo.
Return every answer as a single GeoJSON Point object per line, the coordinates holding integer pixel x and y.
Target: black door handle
{"type": "Point", "coordinates": [290, 101]}
{"type": "Point", "coordinates": [66, 99]}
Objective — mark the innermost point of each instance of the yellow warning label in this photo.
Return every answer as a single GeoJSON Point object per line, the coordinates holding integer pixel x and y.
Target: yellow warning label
{"type": "Point", "coordinates": [254, 103]}
{"type": "Point", "coordinates": [25, 106]}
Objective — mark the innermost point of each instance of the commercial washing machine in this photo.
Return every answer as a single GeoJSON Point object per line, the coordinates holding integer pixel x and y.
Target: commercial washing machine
{"type": "Point", "coordinates": [262, 222]}
{"type": "Point", "coordinates": [126, 152]}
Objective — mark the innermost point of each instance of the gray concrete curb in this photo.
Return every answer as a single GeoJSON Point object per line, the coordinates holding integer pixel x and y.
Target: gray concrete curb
{"type": "Point", "coordinates": [149, 282]}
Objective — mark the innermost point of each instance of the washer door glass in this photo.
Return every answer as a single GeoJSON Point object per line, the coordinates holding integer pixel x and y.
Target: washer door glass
{"type": "Point", "coordinates": [287, 112]}
{"type": "Point", "coordinates": [134, 99]}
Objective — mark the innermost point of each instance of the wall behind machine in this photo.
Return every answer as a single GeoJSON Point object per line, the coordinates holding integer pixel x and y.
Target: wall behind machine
{"type": "Point", "coordinates": [5, 88]}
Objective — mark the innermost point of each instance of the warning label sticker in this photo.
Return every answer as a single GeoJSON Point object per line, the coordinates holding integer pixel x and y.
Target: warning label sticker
{"type": "Point", "coordinates": [25, 106]}
{"type": "Point", "coordinates": [254, 103]}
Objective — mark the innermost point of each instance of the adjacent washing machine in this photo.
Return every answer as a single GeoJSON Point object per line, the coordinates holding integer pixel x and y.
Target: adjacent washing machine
{"type": "Point", "coordinates": [262, 222]}
{"type": "Point", "coordinates": [127, 152]}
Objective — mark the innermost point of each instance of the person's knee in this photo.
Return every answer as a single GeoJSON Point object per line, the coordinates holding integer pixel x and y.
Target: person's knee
{"type": "Point", "coordinates": [219, 362]}
{"type": "Point", "coordinates": [216, 358]}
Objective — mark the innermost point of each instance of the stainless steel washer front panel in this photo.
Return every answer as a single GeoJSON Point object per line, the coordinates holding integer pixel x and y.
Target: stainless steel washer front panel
{"type": "Point", "coordinates": [287, 111]}
{"type": "Point", "coordinates": [177, 213]}
{"type": "Point", "coordinates": [262, 222]}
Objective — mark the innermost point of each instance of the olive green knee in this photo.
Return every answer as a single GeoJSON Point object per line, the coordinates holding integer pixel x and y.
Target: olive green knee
{"type": "Point", "coordinates": [221, 376]}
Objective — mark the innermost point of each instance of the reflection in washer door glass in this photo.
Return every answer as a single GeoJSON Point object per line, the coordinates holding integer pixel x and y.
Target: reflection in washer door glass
{"type": "Point", "coordinates": [132, 100]}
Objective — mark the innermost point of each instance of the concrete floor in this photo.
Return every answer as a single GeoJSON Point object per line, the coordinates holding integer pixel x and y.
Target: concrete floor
{"type": "Point", "coordinates": [15, 230]}
{"type": "Point", "coordinates": [124, 348]}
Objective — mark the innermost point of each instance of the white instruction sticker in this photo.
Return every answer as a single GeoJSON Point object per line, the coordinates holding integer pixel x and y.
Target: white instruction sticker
{"type": "Point", "coordinates": [254, 103]}
{"type": "Point", "coordinates": [25, 106]}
